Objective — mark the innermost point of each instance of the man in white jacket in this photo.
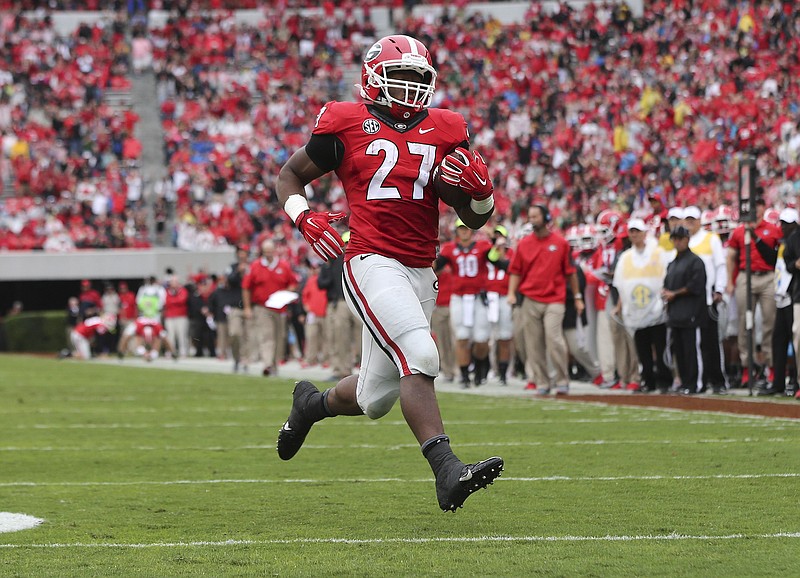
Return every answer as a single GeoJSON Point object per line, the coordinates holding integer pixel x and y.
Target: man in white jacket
{"type": "Point", "coordinates": [639, 278]}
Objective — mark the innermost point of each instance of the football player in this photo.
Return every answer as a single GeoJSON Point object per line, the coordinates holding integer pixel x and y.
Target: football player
{"type": "Point", "coordinates": [469, 307]}
{"type": "Point", "coordinates": [392, 154]}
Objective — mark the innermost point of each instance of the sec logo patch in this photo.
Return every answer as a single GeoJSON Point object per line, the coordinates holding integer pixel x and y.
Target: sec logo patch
{"type": "Point", "coordinates": [371, 126]}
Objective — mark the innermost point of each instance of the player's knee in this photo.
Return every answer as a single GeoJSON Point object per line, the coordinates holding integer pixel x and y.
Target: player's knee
{"type": "Point", "coordinates": [422, 356]}
{"type": "Point", "coordinates": [379, 406]}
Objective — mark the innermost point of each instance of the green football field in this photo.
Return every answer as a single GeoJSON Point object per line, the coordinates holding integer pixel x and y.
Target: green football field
{"type": "Point", "coordinates": [150, 472]}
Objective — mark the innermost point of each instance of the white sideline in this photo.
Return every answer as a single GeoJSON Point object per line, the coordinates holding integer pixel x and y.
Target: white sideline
{"type": "Point", "coordinates": [464, 539]}
{"type": "Point", "coordinates": [393, 447]}
{"type": "Point", "coordinates": [391, 480]}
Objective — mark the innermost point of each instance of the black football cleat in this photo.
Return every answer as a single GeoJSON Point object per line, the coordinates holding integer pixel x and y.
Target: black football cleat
{"type": "Point", "coordinates": [293, 433]}
{"type": "Point", "coordinates": [459, 483]}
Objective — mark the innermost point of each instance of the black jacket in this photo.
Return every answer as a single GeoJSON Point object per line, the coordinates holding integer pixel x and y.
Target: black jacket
{"type": "Point", "coordinates": [330, 279]}
{"type": "Point", "coordinates": [791, 253]}
{"type": "Point", "coordinates": [687, 270]}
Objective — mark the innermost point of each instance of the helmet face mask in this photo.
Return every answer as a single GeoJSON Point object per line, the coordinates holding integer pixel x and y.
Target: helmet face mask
{"type": "Point", "coordinates": [383, 82]}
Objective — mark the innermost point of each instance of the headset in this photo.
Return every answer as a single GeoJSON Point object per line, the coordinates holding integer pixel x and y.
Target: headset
{"type": "Point", "coordinates": [545, 212]}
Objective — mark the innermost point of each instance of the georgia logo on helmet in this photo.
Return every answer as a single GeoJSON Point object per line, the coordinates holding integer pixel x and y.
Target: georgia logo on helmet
{"type": "Point", "coordinates": [393, 54]}
{"type": "Point", "coordinates": [607, 223]}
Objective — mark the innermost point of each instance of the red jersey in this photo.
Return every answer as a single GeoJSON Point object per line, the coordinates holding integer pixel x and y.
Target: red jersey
{"type": "Point", "coordinates": [386, 173]}
{"type": "Point", "coordinates": [445, 287]}
{"type": "Point", "coordinates": [543, 266]}
{"type": "Point", "coordinates": [601, 264]}
{"type": "Point", "coordinates": [265, 278]}
{"type": "Point", "coordinates": [498, 278]}
{"type": "Point", "coordinates": [176, 303]}
{"type": "Point", "coordinates": [767, 232]}
{"type": "Point", "coordinates": [470, 266]}
{"type": "Point", "coordinates": [127, 305]}
{"type": "Point", "coordinates": [149, 328]}
{"type": "Point", "coordinates": [91, 327]}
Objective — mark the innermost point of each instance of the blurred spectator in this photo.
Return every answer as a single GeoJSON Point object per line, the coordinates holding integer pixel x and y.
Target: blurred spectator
{"type": "Point", "coordinates": [91, 303]}
{"type": "Point", "coordinates": [267, 275]}
{"type": "Point", "coordinates": [150, 298]}
{"type": "Point", "coordinates": [176, 316]}
{"type": "Point", "coordinates": [541, 270]}
{"type": "Point", "coordinates": [684, 293]}
{"type": "Point", "coordinates": [315, 303]}
{"type": "Point", "coordinates": [639, 279]}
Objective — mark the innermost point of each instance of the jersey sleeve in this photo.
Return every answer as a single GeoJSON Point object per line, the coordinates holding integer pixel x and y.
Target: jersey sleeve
{"type": "Point", "coordinates": [453, 125]}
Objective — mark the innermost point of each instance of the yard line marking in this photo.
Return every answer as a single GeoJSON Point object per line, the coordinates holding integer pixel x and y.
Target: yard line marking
{"type": "Point", "coordinates": [105, 410]}
{"type": "Point", "coordinates": [744, 421]}
{"type": "Point", "coordinates": [391, 447]}
{"type": "Point", "coordinates": [392, 480]}
{"type": "Point", "coordinates": [433, 540]}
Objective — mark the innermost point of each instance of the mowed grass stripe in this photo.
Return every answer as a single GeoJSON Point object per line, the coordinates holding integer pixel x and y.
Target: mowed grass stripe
{"type": "Point", "coordinates": [395, 446]}
{"type": "Point", "coordinates": [358, 423]}
{"type": "Point", "coordinates": [444, 539]}
{"type": "Point", "coordinates": [402, 480]}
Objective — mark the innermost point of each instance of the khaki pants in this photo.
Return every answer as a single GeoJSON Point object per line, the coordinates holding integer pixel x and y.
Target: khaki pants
{"type": "Point", "coordinates": [627, 360]}
{"type": "Point", "coordinates": [237, 334]}
{"type": "Point", "coordinates": [440, 326]}
{"type": "Point", "coordinates": [316, 344]}
{"type": "Point", "coordinates": [544, 340]}
{"type": "Point", "coordinates": [223, 339]}
{"type": "Point", "coordinates": [177, 329]}
{"type": "Point", "coordinates": [763, 290]}
{"type": "Point", "coordinates": [605, 346]}
{"type": "Point", "coordinates": [344, 337]}
{"type": "Point", "coordinates": [267, 330]}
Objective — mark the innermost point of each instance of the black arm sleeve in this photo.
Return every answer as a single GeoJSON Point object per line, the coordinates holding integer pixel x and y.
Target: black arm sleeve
{"type": "Point", "coordinates": [440, 263]}
{"type": "Point", "coordinates": [326, 150]}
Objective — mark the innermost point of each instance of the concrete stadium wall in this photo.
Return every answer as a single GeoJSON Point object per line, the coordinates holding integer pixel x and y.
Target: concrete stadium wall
{"type": "Point", "coordinates": [505, 12]}
{"type": "Point", "coordinates": [110, 264]}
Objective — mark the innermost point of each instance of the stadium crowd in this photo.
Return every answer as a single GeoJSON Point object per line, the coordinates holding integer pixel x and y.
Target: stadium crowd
{"type": "Point", "coordinates": [590, 112]}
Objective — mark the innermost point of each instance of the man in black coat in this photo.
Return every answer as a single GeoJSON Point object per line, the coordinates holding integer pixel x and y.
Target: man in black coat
{"type": "Point", "coordinates": [685, 295]}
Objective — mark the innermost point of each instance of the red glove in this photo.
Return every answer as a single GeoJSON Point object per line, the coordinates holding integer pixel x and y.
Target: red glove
{"type": "Point", "coordinates": [467, 169]}
{"type": "Point", "coordinates": [318, 233]}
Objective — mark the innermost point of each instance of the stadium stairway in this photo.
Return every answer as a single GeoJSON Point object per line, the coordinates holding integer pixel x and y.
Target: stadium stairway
{"type": "Point", "coordinates": [148, 129]}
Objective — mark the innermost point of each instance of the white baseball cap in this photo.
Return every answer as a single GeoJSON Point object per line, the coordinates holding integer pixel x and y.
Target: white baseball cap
{"type": "Point", "coordinates": [637, 224]}
{"type": "Point", "coordinates": [691, 213]}
{"type": "Point", "coordinates": [789, 215]}
{"type": "Point", "coordinates": [675, 212]}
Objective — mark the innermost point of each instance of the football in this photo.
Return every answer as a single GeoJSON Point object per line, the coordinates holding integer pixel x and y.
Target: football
{"type": "Point", "coordinates": [450, 195]}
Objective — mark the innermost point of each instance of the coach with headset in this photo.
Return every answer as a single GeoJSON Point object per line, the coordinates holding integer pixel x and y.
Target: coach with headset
{"type": "Point", "coordinates": [540, 270]}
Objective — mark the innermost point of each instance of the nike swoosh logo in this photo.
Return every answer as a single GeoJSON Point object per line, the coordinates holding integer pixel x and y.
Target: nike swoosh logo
{"type": "Point", "coordinates": [466, 477]}
{"type": "Point", "coordinates": [311, 222]}
{"type": "Point", "coordinates": [426, 130]}
{"type": "Point", "coordinates": [362, 257]}
{"type": "Point", "coordinates": [481, 181]}
{"type": "Point", "coordinates": [286, 427]}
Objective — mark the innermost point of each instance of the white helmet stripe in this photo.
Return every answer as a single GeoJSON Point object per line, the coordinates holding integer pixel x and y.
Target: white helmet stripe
{"type": "Point", "coordinates": [412, 44]}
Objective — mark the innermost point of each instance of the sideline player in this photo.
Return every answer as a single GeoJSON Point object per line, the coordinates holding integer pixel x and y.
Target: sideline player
{"type": "Point", "coordinates": [385, 151]}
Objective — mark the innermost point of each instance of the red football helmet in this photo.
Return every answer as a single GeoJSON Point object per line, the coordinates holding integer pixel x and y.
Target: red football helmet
{"type": "Point", "coordinates": [725, 220]}
{"type": "Point", "coordinates": [608, 222]}
{"type": "Point", "coordinates": [393, 54]}
{"type": "Point", "coordinates": [587, 238]}
{"type": "Point", "coordinates": [772, 215]}
{"type": "Point", "coordinates": [707, 220]}
{"type": "Point", "coordinates": [572, 236]}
